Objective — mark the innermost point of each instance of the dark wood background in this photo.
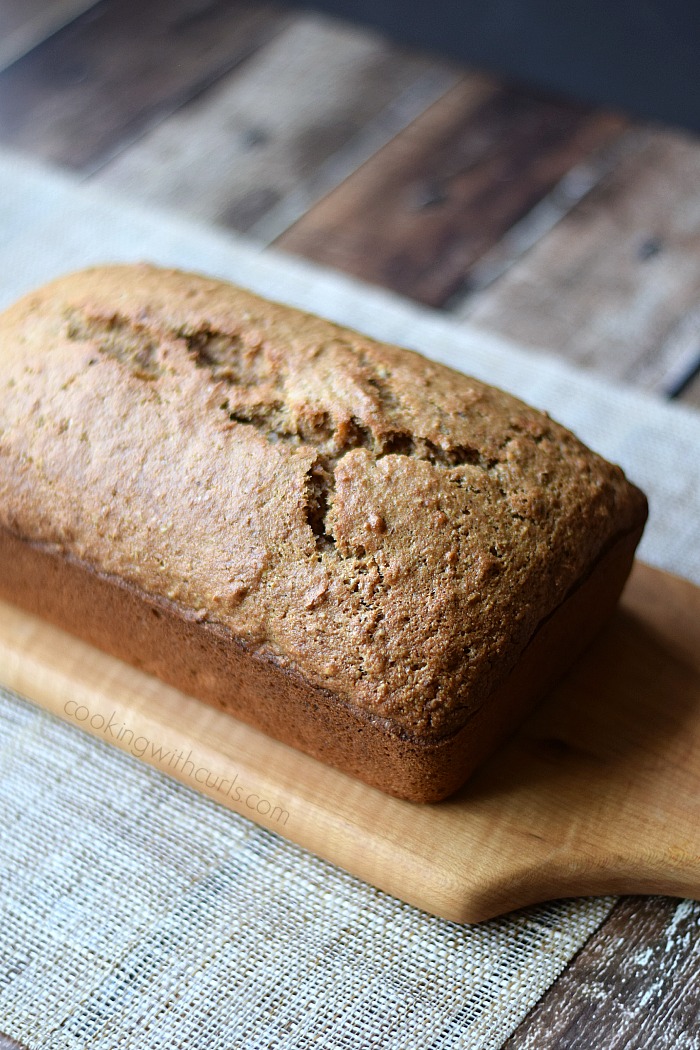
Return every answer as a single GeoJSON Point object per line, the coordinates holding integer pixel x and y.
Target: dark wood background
{"type": "Point", "coordinates": [569, 229]}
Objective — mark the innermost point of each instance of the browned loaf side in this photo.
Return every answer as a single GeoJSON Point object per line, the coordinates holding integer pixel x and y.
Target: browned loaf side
{"type": "Point", "coordinates": [365, 553]}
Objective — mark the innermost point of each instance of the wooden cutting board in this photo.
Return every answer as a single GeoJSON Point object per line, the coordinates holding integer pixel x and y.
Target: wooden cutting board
{"type": "Point", "coordinates": [598, 792]}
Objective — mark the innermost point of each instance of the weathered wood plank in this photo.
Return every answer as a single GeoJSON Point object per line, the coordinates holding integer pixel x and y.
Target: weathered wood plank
{"type": "Point", "coordinates": [123, 65]}
{"type": "Point", "coordinates": [418, 214]}
{"type": "Point", "coordinates": [26, 23]}
{"type": "Point", "coordinates": [9, 1044]}
{"type": "Point", "coordinates": [375, 134]}
{"type": "Point", "coordinates": [274, 124]}
{"type": "Point", "coordinates": [537, 223]}
{"type": "Point", "coordinates": [635, 984]}
{"type": "Point", "coordinates": [615, 285]}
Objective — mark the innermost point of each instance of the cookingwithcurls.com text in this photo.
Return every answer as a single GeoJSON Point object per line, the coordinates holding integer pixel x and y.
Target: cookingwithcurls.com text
{"type": "Point", "coordinates": [180, 762]}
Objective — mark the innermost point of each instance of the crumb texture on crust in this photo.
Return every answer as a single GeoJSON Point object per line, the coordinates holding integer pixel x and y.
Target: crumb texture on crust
{"type": "Point", "coordinates": [384, 525]}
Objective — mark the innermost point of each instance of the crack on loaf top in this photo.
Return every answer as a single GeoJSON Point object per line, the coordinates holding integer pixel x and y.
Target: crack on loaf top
{"type": "Point", "coordinates": [257, 396]}
{"type": "Point", "coordinates": [255, 378]}
{"type": "Point", "coordinates": [119, 338]}
{"type": "Point", "coordinates": [229, 356]}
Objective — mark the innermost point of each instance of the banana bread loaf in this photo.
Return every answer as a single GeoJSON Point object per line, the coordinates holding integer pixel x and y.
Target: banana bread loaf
{"type": "Point", "coordinates": [364, 553]}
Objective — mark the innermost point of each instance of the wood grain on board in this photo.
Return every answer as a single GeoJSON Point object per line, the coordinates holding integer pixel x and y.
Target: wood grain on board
{"type": "Point", "coordinates": [634, 985]}
{"type": "Point", "coordinates": [273, 124]}
{"type": "Point", "coordinates": [77, 98]}
{"type": "Point", "coordinates": [615, 286]}
{"type": "Point", "coordinates": [417, 215]}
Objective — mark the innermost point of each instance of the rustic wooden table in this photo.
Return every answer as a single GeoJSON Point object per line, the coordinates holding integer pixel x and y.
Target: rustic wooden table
{"type": "Point", "coordinates": [568, 229]}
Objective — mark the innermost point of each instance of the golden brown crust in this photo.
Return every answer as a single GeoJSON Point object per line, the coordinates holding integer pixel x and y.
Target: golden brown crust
{"type": "Point", "coordinates": [389, 530]}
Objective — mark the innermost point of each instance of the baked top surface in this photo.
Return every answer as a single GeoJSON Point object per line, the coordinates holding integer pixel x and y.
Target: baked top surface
{"type": "Point", "coordinates": [384, 525]}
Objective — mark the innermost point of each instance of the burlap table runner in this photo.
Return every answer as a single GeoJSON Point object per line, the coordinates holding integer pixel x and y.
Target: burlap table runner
{"type": "Point", "coordinates": [135, 913]}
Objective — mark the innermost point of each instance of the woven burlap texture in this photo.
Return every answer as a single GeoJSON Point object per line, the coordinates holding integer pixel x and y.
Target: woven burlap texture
{"type": "Point", "coordinates": [135, 913]}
